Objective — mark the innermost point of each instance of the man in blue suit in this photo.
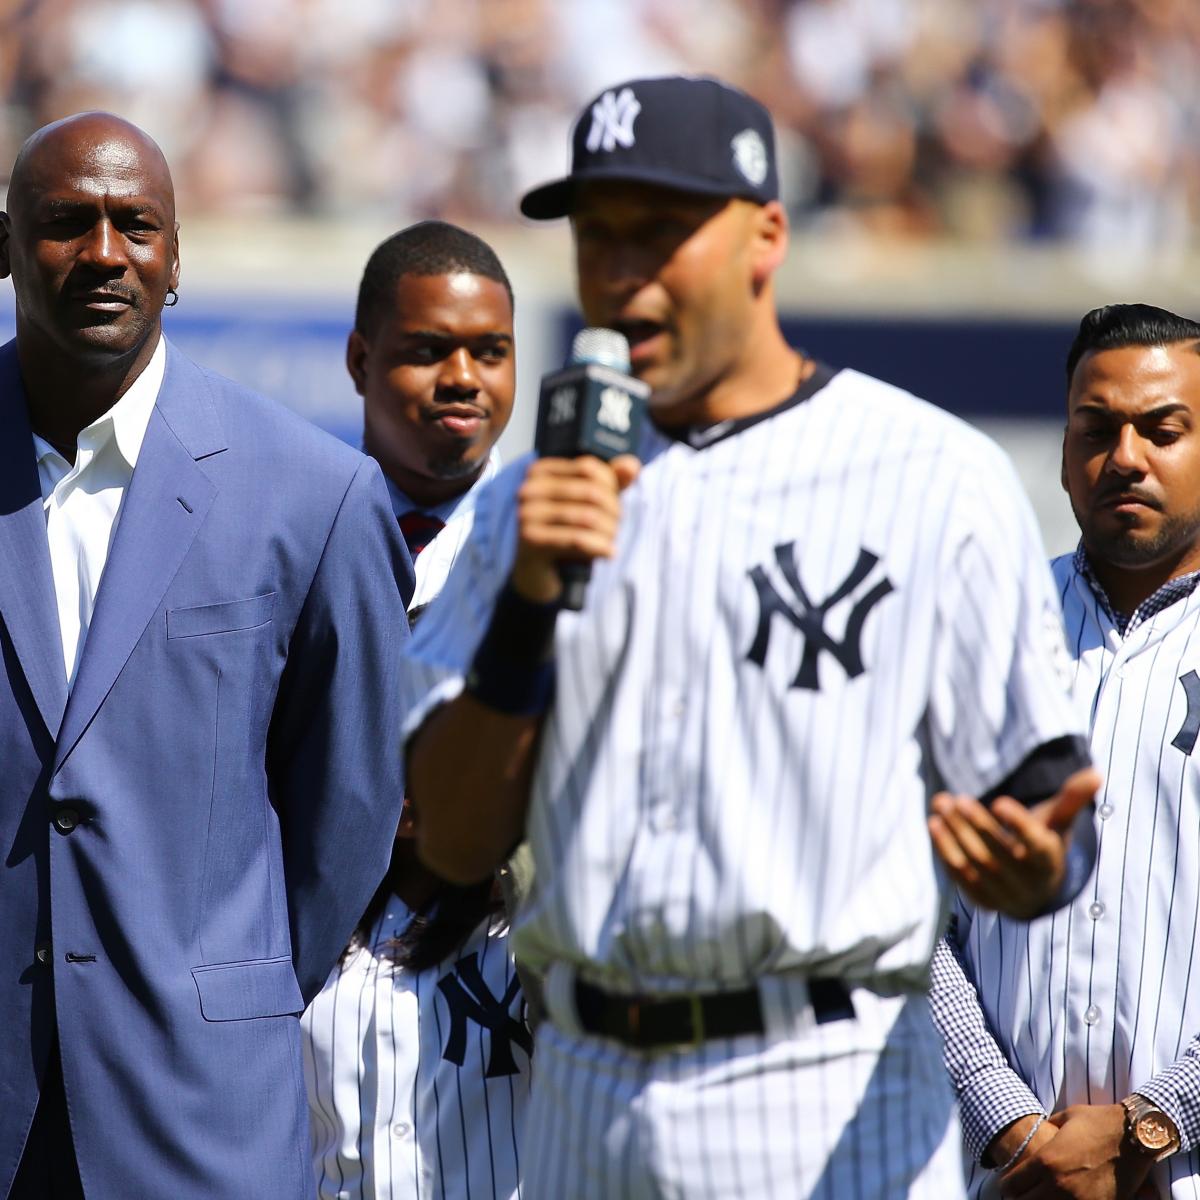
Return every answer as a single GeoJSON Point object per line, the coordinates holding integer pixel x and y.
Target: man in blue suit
{"type": "Point", "coordinates": [200, 619]}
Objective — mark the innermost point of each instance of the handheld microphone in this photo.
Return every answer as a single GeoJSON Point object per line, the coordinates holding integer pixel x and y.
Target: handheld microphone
{"type": "Point", "coordinates": [592, 406]}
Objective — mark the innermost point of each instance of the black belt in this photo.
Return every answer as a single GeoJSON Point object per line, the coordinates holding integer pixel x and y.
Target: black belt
{"type": "Point", "coordinates": [646, 1022]}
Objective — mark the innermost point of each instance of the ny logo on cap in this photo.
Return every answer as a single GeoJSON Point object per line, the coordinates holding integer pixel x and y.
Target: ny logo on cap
{"type": "Point", "coordinates": [612, 120]}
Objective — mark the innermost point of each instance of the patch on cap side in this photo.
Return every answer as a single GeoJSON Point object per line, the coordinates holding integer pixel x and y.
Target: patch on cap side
{"type": "Point", "coordinates": [750, 156]}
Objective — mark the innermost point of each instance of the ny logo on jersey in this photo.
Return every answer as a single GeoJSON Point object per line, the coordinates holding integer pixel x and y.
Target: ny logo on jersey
{"type": "Point", "coordinates": [470, 999]}
{"type": "Point", "coordinates": [809, 618]}
{"type": "Point", "coordinates": [613, 116]}
{"type": "Point", "coordinates": [1185, 739]}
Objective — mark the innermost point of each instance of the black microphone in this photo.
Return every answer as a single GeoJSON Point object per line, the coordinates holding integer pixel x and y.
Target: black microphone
{"type": "Point", "coordinates": [591, 406]}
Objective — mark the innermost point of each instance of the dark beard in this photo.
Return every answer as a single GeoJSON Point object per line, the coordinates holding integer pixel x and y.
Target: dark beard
{"type": "Point", "coordinates": [456, 467]}
{"type": "Point", "coordinates": [1175, 536]}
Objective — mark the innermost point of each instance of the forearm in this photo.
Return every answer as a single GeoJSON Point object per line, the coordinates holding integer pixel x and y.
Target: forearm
{"type": "Point", "coordinates": [469, 772]}
{"type": "Point", "coordinates": [991, 1095]}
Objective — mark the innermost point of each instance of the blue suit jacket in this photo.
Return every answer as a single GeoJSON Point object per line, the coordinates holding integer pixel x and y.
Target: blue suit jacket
{"type": "Point", "coordinates": [228, 760]}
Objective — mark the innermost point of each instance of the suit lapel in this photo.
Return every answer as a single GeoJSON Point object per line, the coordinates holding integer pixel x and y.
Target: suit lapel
{"type": "Point", "coordinates": [161, 514]}
{"type": "Point", "coordinates": [27, 600]}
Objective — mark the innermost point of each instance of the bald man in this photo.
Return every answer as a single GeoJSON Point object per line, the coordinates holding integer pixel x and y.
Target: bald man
{"type": "Point", "coordinates": [200, 622]}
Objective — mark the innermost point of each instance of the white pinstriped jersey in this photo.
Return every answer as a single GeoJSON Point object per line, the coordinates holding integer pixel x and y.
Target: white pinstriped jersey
{"type": "Point", "coordinates": [810, 614]}
{"type": "Point", "coordinates": [418, 1082]}
{"type": "Point", "coordinates": [1102, 998]}
{"type": "Point", "coordinates": [407, 1099]}
{"type": "Point", "coordinates": [433, 564]}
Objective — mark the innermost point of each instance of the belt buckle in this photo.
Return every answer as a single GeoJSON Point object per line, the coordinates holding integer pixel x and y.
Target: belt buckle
{"type": "Point", "coordinates": [696, 1012]}
{"type": "Point", "coordinates": [633, 1019]}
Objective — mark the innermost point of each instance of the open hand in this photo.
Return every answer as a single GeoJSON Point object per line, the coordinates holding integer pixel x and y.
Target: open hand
{"type": "Point", "coordinates": [1009, 858]}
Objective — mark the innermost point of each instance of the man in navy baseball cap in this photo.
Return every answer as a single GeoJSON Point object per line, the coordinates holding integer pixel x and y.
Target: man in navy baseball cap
{"type": "Point", "coordinates": [697, 912]}
{"type": "Point", "coordinates": [693, 134]}
{"type": "Point", "coordinates": [673, 196]}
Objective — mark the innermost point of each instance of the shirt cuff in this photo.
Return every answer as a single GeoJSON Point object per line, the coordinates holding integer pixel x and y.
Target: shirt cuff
{"type": "Point", "coordinates": [1176, 1090]}
{"type": "Point", "coordinates": [991, 1102]}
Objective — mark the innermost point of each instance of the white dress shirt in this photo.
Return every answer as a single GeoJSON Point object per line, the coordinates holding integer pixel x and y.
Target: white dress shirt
{"type": "Point", "coordinates": [434, 562]}
{"type": "Point", "coordinates": [83, 502]}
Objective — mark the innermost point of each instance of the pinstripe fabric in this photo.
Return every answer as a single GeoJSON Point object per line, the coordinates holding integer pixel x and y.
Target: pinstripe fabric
{"type": "Point", "coordinates": [754, 832]}
{"type": "Point", "coordinates": [807, 619]}
{"type": "Point", "coordinates": [393, 1117]}
{"type": "Point", "coordinates": [1100, 1000]}
{"type": "Point", "coordinates": [846, 1111]}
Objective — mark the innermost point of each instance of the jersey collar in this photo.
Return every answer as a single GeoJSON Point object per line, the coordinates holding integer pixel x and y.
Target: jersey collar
{"type": "Point", "coordinates": [701, 437]}
{"type": "Point", "coordinates": [1164, 597]}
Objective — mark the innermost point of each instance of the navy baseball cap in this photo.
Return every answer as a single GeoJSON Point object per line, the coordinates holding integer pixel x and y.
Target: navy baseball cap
{"type": "Point", "coordinates": [689, 133]}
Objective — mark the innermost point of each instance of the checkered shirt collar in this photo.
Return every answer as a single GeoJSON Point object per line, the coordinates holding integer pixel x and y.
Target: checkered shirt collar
{"type": "Point", "coordinates": [1168, 594]}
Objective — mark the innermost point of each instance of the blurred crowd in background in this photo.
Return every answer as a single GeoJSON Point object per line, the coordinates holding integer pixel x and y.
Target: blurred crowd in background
{"type": "Point", "coordinates": [977, 119]}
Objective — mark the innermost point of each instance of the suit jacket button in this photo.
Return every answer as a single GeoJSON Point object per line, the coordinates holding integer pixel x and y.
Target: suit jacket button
{"type": "Point", "coordinates": [65, 820]}
{"type": "Point", "coordinates": [42, 953]}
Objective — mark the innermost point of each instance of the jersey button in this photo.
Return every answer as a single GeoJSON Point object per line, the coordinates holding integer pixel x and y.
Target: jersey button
{"type": "Point", "coordinates": [65, 820]}
{"type": "Point", "coordinates": [1092, 1015]}
{"type": "Point", "coordinates": [1096, 911]}
{"type": "Point", "coordinates": [1106, 811]}
{"type": "Point", "coordinates": [400, 1130]}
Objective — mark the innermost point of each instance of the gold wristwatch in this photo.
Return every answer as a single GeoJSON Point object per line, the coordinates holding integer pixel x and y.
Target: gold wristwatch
{"type": "Point", "coordinates": [1148, 1128]}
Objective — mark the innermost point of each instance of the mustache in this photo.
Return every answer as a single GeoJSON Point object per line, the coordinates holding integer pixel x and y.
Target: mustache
{"type": "Point", "coordinates": [80, 288]}
{"type": "Point", "coordinates": [1129, 491]}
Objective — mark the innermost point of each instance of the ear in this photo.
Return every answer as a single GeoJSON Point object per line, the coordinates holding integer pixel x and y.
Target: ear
{"type": "Point", "coordinates": [175, 255]}
{"type": "Point", "coordinates": [769, 242]}
{"type": "Point", "coordinates": [5, 234]}
{"type": "Point", "coordinates": [356, 360]}
{"type": "Point", "coordinates": [1062, 469]}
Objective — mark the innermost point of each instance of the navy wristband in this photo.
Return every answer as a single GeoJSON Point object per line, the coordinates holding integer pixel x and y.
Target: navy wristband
{"type": "Point", "coordinates": [513, 669]}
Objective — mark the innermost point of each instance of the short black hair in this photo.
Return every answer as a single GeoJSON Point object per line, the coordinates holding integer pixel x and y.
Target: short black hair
{"type": "Point", "coordinates": [1115, 326]}
{"type": "Point", "coordinates": [427, 248]}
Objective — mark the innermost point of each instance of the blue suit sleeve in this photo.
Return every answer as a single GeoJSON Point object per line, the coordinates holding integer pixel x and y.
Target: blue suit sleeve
{"type": "Point", "coordinates": [334, 760]}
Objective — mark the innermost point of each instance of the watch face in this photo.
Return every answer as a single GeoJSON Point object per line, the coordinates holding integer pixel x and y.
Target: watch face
{"type": "Point", "coordinates": [1153, 1132]}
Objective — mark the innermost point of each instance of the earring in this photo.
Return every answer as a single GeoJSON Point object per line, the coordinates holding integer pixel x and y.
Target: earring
{"type": "Point", "coordinates": [172, 298]}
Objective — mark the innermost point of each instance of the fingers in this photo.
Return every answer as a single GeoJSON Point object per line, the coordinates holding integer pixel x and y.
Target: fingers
{"type": "Point", "coordinates": [627, 468]}
{"type": "Point", "coordinates": [1031, 836]}
{"type": "Point", "coordinates": [1059, 812]}
{"type": "Point", "coordinates": [979, 886]}
{"type": "Point", "coordinates": [568, 509]}
{"type": "Point", "coordinates": [981, 835]}
{"type": "Point", "coordinates": [999, 864]}
{"type": "Point", "coordinates": [1074, 795]}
